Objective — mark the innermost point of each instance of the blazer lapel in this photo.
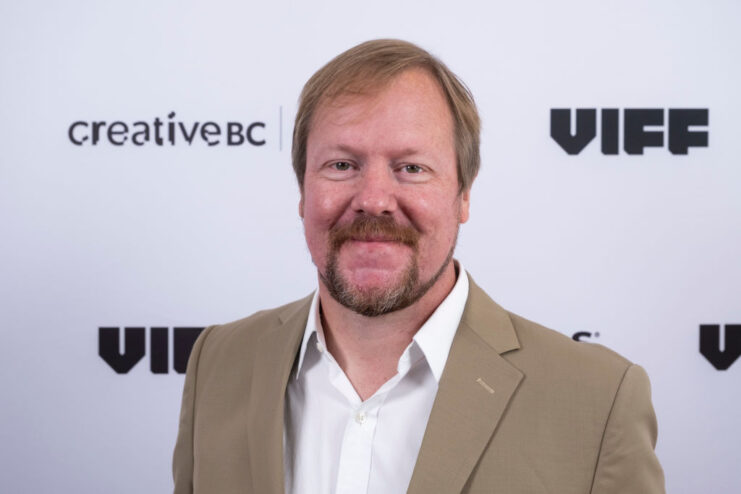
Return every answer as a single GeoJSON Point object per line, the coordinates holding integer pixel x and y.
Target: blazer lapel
{"type": "Point", "coordinates": [274, 361]}
{"type": "Point", "coordinates": [474, 391]}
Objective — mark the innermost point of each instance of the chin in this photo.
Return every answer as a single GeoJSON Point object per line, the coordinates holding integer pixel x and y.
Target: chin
{"type": "Point", "coordinates": [374, 279]}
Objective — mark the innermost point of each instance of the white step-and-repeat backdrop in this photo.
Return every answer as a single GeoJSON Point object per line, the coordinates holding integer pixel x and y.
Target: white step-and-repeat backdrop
{"type": "Point", "coordinates": [146, 191]}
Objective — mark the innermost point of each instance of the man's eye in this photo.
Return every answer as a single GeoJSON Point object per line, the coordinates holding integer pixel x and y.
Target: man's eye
{"type": "Point", "coordinates": [341, 166]}
{"type": "Point", "coordinates": [412, 169]}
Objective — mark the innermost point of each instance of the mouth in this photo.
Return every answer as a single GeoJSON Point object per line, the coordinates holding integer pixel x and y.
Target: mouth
{"type": "Point", "coordinates": [374, 238]}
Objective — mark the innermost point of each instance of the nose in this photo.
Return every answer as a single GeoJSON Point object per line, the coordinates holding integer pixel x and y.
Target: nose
{"type": "Point", "coordinates": [376, 191]}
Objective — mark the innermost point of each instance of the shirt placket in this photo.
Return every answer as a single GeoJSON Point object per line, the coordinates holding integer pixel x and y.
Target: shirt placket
{"type": "Point", "coordinates": [357, 448]}
{"type": "Point", "coordinates": [356, 453]}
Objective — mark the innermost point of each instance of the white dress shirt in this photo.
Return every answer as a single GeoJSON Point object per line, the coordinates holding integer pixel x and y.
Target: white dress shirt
{"type": "Point", "coordinates": [337, 444]}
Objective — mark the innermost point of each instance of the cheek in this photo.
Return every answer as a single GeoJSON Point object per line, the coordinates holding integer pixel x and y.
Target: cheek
{"type": "Point", "coordinates": [316, 226]}
{"type": "Point", "coordinates": [322, 209]}
{"type": "Point", "coordinates": [433, 213]}
{"type": "Point", "coordinates": [439, 224]}
{"type": "Point", "coordinates": [316, 239]}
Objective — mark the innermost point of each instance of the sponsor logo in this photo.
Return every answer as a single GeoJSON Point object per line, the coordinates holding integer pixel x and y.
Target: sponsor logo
{"type": "Point", "coordinates": [710, 344]}
{"type": "Point", "coordinates": [109, 348]}
{"type": "Point", "coordinates": [167, 131]}
{"type": "Point", "coordinates": [681, 129]}
{"type": "Point", "coordinates": [584, 335]}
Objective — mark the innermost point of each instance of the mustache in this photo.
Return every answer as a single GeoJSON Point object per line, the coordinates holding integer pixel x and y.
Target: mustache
{"type": "Point", "coordinates": [373, 228]}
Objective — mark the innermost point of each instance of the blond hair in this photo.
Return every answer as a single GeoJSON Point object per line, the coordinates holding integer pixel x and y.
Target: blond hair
{"type": "Point", "coordinates": [370, 66]}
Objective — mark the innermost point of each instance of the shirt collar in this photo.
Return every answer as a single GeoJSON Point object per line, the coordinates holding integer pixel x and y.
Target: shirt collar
{"type": "Point", "coordinates": [434, 338]}
{"type": "Point", "coordinates": [436, 335]}
{"type": "Point", "coordinates": [312, 324]}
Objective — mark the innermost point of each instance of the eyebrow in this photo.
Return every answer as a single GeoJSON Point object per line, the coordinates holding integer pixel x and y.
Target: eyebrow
{"type": "Point", "coordinates": [397, 154]}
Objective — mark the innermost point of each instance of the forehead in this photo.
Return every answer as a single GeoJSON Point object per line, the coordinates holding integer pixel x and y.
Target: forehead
{"type": "Point", "coordinates": [409, 108]}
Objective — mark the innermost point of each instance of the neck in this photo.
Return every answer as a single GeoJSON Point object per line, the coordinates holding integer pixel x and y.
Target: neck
{"type": "Point", "coordinates": [368, 348]}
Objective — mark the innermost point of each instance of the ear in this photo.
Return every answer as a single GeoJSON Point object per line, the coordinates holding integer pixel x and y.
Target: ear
{"type": "Point", "coordinates": [464, 206]}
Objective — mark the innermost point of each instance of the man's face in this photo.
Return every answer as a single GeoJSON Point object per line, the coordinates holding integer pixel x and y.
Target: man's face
{"type": "Point", "coordinates": [381, 202]}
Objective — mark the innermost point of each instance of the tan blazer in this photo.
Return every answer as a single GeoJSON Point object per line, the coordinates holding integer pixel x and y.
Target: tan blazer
{"type": "Point", "coordinates": [519, 409]}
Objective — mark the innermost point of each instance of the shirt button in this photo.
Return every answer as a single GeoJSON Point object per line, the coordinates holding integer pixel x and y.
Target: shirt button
{"type": "Point", "coordinates": [319, 347]}
{"type": "Point", "coordinates": [360, 418]}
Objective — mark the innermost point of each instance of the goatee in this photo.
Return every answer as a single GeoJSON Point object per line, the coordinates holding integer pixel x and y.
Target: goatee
{"type": "Point", "coordinates": [373, 302]}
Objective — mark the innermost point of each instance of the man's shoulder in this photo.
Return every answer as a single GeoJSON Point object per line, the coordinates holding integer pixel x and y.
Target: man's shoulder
{"type": "Point", "coordinates": [532, 346]}
{"type": "Point", "coordinates": [548, 354]}
{"type": "Point", "coordinates": [544, 340]}
{"type": "Point", "coordinates": [250, 329]}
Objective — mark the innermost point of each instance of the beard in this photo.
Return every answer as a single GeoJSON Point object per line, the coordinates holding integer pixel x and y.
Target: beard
{"type": "Point", "coordinates": [374, 302]}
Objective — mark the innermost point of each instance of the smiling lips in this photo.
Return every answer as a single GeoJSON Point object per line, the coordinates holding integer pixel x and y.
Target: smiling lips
{"type": "Point", "coordinates": [374, 238]}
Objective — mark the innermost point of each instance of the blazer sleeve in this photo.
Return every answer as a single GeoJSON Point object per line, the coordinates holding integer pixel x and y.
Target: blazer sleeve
{"type": "Point", "coordinates": [182, 458]}
{"type": "Point", "coordinates": [627, 462]}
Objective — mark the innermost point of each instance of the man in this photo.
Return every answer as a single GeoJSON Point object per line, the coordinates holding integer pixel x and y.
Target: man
{"type": "Point", "coordinates": [399, 374]}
